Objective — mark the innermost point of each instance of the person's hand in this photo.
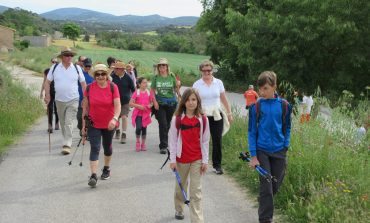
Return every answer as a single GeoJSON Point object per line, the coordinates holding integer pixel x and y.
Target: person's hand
{"type": "Point", "coordinates": [47, 99]}
{"type": "Point", "coordinates": [173, 166]}
{"type": "Point", "coordinates": [156, 105]}
{"type": "Point", "coordinates": [203, 168]}
{"type": "Point", "coordinates": [112, 124]}
{"type": "Point", "coordinates": [140, 107]}
{"type": "Point", "coordinates": [254, 162]}
{"type": "Point", "coordinates": [83, 130]}
{"type": "Point", "coordinates": [230, 118]}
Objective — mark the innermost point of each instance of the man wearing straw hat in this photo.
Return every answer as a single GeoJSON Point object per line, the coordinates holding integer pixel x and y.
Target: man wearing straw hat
{"type": "Point", "coordinates": [66, 76]}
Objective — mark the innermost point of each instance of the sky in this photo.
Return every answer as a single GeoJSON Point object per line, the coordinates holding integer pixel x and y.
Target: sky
{"type": "Point", "coordinates": [168, 8]}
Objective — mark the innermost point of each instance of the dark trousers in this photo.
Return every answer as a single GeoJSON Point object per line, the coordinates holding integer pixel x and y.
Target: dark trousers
{"type": "Point", "coordinates": [274, 163]}
{"type": "Point", "coordinates": [164, 116]}
{"type": "Point", "coordinates": [140, 130]}
{"type": "Point", "coordinates": [216, 128]}
{"type": "Point", "coordinates": [79, 118]}
{"type": "Point", "coordinates": [52, 108]}
{"type": "Point", "coordinates": [95, 137]}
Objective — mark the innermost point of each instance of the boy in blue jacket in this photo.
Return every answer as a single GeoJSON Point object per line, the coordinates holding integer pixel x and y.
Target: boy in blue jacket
{"type": "Point", "coordinates": [268, 139]}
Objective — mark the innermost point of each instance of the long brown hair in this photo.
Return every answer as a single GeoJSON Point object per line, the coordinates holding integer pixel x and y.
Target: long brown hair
{"type": "Point", "coordinates": [185, 96]}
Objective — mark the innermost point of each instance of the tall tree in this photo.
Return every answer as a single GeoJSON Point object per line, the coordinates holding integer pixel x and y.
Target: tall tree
{"type": "Point", "coordinates": [71, 31]}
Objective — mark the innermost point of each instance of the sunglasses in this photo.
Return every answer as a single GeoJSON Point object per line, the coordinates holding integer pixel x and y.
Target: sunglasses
{"type": "Point", "coordinates": [68, 55]}
{"type": "Point", "coordinates": [205, 71]}
{"type": "Point", "coordinates": [162, 65]}
{"type": "Point", "coordinates": [97, 74]}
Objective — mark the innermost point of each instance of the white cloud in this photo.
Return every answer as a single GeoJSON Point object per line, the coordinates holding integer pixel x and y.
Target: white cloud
{"type": "Point", "coordinates": [169, 8]}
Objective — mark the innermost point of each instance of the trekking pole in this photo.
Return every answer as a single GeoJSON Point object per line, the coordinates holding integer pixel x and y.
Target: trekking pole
{"type": "Point", "coordinates": [266, 175]}
{"type": "Point", "coordinates": [73, 156]}
{"type": "Point", "coordinates": [186, 201]}
{"type": "Point", "coordinates": [83, 148]}
{"type": "Point", "coordinates": [49, 142]}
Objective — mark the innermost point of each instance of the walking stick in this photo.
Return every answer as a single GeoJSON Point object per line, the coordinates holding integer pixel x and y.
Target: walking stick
{"type": "Point", "coordinates": [186, 201]}
{"type": "Point", "coordinates": [73, 156]}
{"type": "Point", "coordinates": [83, 148]}
{"type": "Point", "coordinates": [266, 175]}
{"type": "Point", "coordinates": [49, 142]}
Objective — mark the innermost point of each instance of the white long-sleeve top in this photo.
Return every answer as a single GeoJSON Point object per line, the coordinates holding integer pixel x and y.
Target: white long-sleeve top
{"type": "Point", "coordinates": [175, 140]}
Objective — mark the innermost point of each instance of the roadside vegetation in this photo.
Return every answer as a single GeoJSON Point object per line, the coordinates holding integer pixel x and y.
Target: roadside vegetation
{"type": "Point", "coordinates": [327, 178]}
{"type": "Point", "coordinates": [18, 109]}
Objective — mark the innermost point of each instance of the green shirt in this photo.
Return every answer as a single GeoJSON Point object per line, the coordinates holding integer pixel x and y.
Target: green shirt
{"type": "Point", "coordinates": [164, 86]}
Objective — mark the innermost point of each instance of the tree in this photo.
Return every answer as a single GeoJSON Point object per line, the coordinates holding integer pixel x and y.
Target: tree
{"type": "Point", "coordinates": [308, 43]}
{"type": "Point", "coordinates": [71, 31]}
{"type": "Point", "coordinates": [87, 38]}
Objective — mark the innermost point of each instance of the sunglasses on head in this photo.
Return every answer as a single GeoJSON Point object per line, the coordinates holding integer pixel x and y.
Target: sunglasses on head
{"type": "Point", "coordinates": [97, 74]}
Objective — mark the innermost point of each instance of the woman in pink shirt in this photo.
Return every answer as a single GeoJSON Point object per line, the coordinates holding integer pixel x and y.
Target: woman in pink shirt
{"type": "Point", "coordinates": [101, 108]}
{"type": "Point", "coordinates": [142, 101]}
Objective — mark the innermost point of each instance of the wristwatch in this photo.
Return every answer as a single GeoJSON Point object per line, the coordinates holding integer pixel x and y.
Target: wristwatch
{"type": "Point", "coordinates": [115, 118]}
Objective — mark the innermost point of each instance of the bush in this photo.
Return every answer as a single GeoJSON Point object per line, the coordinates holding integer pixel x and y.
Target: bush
{"type": "Point", "coordinates": [18, 109]}
{"type": "Point", "coordinates": [327, 175]}
{"type": "Point", "coordinates": [21, 45]}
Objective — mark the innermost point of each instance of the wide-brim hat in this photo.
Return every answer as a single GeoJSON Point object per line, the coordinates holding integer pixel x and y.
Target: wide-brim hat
{"type": "Point", "coordinates": [100, 67]}
{"type": "Point", "coordinates": [119, 65]}
{"type": "Point", "coordinates": [162, 61]}
{"type": "Point", "coordinates": [66, 51]}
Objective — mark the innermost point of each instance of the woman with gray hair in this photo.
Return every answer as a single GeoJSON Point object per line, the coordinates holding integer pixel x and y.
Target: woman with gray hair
{"type": "Point", "coordinates": [213, 95]}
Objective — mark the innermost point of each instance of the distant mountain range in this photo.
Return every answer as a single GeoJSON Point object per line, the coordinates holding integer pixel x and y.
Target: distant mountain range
{"type": "Point", "coordinates": [3, 8]}
{"type": "Point", "coordinates": [84, 15]}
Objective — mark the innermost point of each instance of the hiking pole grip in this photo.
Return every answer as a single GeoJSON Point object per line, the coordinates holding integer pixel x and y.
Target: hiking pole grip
{"type": "Point", "coordinates": [186, 201]}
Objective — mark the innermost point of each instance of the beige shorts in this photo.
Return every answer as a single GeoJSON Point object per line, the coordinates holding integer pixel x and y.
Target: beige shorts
{"type": "Point", "coordinates": [125, 109]}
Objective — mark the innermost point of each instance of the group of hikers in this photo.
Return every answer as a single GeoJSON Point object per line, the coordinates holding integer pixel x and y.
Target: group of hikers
{"type": "Point", "coordinates": [100, 96]}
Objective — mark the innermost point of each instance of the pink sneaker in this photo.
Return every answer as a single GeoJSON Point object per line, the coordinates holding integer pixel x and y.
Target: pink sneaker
{"type": "Point", "coordinates": [137, 146]}
{"type": "Point", "coordinates": [143, 147]}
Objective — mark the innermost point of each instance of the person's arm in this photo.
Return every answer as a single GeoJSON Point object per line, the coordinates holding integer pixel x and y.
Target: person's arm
{"type": "Point", "coordinates": [85, 109]}
{"type": "Point", "coordinates": [252, 136]}
{"type": "Point", "coordinates": [47, 91]}
{"type": "Point", "coordinates": [117, 111]}
{"type": "Point", "coordinates": [42, 88]}
{"type": "Point", "coordinates": [205, 146]}
{"type": "Point", "coordinates": [132, 103]}
{"type": "Point", "coordinates": [172, 142]}
{"type": "Point", "coordinates": [226, 104]}
{"type": "Point", "coordinates": [288, 123]}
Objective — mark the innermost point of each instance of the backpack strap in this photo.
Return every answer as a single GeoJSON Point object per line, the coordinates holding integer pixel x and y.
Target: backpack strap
{"type": "Point", "coordinates": [112, 91]}
{"type": "Point", "coordinates": [178, 123]}
{"type": "Point", "coordinates": [55, 66]}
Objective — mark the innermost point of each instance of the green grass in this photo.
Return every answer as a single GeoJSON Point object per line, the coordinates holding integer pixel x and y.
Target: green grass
{"type": "Point", "coordinates": [18, 110]}
{"type": "Point", "coordinates": [186, 65]}
{"type": "Point", "coordinates": [326, 181]}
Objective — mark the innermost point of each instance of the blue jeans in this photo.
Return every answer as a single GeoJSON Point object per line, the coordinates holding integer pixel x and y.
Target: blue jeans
{"type": "Point", "coordinates": [95, 136]}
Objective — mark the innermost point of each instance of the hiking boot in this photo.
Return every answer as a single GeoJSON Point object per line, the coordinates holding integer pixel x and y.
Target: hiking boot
{"type": "Point", "coordinates": [143, 147]}
{"type": "Point", "coordinates": [218, 170]}
{"type": "Point", "coordinates": [179, 215]}
{"type": "Point", "coordinates": [50, 130]}
{"type": "Point", "coordinates": [56, 126]}
{"type": "Point", "coordinates": [138, 146]}
{"type": "Point", "coordinates": [123, 138]}
{"type": "Point", "coordinates": [106, 173]}
{"type": "Point", "coordinates": [66, 150]}
{"type": "Point", "coordinates": [93, 180]}
{"type": "Point", "coordinates": [163, 151]}
{"type": "Point", "coordinates": [118, 133]}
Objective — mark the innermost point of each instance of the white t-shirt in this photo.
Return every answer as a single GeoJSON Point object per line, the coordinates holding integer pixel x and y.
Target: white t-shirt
{"type": "Point", "coordinates": [307, 102]}
{"type": "Point", "coordinates": [210, 95]}
{"type": "Point", "coordinates": [66, 82]}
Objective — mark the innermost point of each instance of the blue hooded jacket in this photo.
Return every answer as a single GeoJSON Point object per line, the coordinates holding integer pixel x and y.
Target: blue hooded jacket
{"type": "Point", "coordinates": [268, 135]}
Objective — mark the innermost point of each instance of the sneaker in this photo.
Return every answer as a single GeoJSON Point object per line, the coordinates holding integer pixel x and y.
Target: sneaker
{"type": "Point", "coordinates": [143, 147]}
{"type": "Point", "coordinates": [66, 150]}
{"type": "Point", "coordinates": [106, 174]}
{"type": "Point", "coordinates": [50, 130]}
{"type": "Point", "coordinates": [123, 138]}
{"type": "Point", "coordinates": [179, 215]}
{"type": "Point", "coordinates": [163, 151]}
{"type": "Point", "coordinates": [218, 170]}
{"type": "Point", "coordinates": [93, 180]}
{"type": "Point", "coordinates": [138, 146]}
{"type": "Point", "coordinates": [118, 133]}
